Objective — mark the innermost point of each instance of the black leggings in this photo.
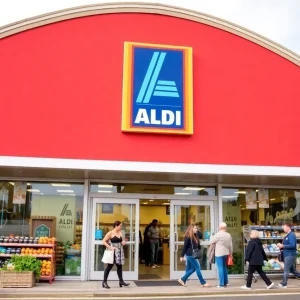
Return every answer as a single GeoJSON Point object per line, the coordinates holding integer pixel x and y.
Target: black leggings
{"type": "Point", "coordinates": [108, 269]}
{"type": "Point", "coordinates": [262, 274]}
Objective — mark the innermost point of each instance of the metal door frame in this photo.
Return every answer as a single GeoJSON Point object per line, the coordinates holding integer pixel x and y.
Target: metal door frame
{"type": "Point", "coordinates": [174, 235]}
{"type": "Point", "coordinates": [134, 243]}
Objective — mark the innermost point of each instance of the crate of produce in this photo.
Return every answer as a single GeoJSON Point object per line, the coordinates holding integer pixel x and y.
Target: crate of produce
{"type": "Point", "coordinates": [11, 279]}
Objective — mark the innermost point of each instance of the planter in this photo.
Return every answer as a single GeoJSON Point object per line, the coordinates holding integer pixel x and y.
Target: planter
{"type": "Point", "coordinates": [11, 279]}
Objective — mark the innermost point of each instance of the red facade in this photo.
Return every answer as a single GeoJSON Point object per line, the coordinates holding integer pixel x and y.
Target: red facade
{"type": "Point", "coordinates": [61, 94]}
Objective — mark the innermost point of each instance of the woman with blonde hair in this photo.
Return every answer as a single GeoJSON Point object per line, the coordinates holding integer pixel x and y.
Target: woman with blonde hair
{"type": "Point", "coordinates": [191, 243]}
{"type": "Point", "coordinates": [255, 256]}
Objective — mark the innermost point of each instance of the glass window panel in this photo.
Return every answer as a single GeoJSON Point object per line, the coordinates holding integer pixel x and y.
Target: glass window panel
{"type": "Point", "coordinates": [106, 215]}
{"type": "Point", "coordinates": [264, 207]}
{"type": "Point", "coordinates": [184, 216]}
{"type": "Point", "coordinates": [19, 201]}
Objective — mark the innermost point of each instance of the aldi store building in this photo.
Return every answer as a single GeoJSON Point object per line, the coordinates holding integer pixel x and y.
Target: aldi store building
{"type": "Point", "coordinates": [135, 111]}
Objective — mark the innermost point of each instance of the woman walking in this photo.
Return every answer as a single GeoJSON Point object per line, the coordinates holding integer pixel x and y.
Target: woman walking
{"type": "Point", "coordinates": [255, 256]}
{"type": "Point", "coordinates": [223, 242]}
{"type": "Point", "coordinates": [191, 242]}
{"type": "Point", "coordinates": [113, 241]}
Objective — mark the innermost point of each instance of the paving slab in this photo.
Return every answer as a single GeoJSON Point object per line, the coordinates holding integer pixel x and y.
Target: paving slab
{"type": "Point", "coordinates": [93, 289]}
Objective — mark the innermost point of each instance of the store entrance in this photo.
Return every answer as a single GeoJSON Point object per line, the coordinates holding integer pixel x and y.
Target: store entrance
{"type": "Point", "coordinates": [173, 218]}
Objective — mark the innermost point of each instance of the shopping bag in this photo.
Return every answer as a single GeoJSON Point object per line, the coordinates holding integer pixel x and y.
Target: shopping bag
{"type": "Point", "coordinates": [108, 256]}
{"type": "Point", "coordinates": [229, 260]}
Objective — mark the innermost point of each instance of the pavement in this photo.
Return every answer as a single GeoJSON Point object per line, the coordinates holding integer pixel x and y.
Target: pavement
{"type": "Point", "coordinates": [93, 289]}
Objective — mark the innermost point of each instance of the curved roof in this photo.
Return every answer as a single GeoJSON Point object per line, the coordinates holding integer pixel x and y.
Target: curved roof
{"type": "Point", "coordinates": [149, 8]}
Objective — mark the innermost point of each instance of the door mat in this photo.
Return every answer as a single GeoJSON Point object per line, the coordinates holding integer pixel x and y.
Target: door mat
{"type": "Point", "coordinates": [148, 276]}
{"type": "Point", "coordinates": [156, 283]}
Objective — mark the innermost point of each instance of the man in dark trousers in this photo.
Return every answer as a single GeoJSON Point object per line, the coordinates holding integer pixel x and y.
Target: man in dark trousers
{"type": "Point", "coordinates": [147, 249]}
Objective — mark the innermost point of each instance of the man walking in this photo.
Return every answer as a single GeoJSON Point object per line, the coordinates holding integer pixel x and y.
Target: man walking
{"type": "Point", "coordinates": [153, 234]}
{"type": "Point", "coordinates": [289, 249]}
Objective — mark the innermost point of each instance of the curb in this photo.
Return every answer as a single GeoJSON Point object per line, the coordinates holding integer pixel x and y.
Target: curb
{"type": "Point", "coordinates": [145, 295]}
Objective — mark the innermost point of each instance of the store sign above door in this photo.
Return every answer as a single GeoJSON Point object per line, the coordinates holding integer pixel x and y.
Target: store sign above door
{"type": "Point", "coordinates": [157, 89]}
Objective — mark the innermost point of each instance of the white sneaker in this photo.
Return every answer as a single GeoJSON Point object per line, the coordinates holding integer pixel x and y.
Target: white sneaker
{"type": "Point", "coordinates": [244, 287]}
{"type": "Point", "coordinates": [154, 267]}
{"type": "Point", "coordinates": [157, 266]}
{"type": "Point", "coordinates": [181, 282]}
{"type": "Point", "coordinates": [281, 286]}
{"type": "Point", "coordinates": [270, 286]}
{"type": "Point", "coordinates": [220, 287]}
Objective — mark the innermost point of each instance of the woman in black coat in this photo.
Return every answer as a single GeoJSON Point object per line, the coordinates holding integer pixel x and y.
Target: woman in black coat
{"type": "Point", "coordinates": [255, 256]}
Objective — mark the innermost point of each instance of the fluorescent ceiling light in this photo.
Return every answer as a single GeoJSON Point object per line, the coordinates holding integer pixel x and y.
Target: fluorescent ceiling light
{"type": "Point", "coordinates": [240, 192]}
{"type": "Point", "coordinates": [67, 194]}
{"type": "Point", "coordinates": [145, 203]}
{"type": "Point", "coordinates": [12, 183]}
{"type": "Point", "coordinates": [104, 191]}
{"type": "Point", "coordinates": [166, 203]}
{"type": "Point", "coordinates": [273, 199]}
{"type": "Point", "coordinates": [65, 191]}
{"type": "Point", "coordinates": [191, 188]}
{"type": "Point", "coordinates": [105, 186]}
{"type": "Point", "coordinates": [38, 193]}
{"type": "Point", "coordinates": [60, 184]}
{"type": "Point", "coordinates": [182, 193]}
{"type": "Point", "coordinates": [151, 200]}
{"type": "Point", "coordinates": [33, 190]}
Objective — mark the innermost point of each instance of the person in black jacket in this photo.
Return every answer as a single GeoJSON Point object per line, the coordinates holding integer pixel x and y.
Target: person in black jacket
{"type": "Point", "coordinates": [147, 250]}
{"type": "Point", "coordinates": [255, 256]}
{"type": "Point", "coordinates": [191, 241]}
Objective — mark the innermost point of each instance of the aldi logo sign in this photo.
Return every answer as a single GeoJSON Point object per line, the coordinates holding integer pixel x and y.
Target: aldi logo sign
{"type": "Point", "coordinates": [157, 89]}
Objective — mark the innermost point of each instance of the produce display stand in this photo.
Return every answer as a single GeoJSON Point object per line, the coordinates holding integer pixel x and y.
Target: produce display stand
{"type": "Point", "coordinates": [48, 257]}
{"type": "Point", "coordinates": [270, 237]}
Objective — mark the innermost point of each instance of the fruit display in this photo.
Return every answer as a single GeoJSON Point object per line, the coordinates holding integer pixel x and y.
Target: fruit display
{"type": "Point", "coordinates": [39, 247]}
{"type": "Point", "coordinates": [19, 240]}
{"type": "Point", "coordinates": [46, 268]}
{"type": "Point", "coordinates": [46, 240]}
{"type": "Point", "coordinates": [60, 252]}
{"type": "Point", "coordinates": [73, 249]}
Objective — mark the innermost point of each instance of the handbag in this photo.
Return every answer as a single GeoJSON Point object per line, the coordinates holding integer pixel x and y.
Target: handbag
{"type": "Point", "coordinates": [229, 261]}
{"type": "Point", "coordinates": [108, 256]}
{"type": "Point", "coordinates": [196, 252]}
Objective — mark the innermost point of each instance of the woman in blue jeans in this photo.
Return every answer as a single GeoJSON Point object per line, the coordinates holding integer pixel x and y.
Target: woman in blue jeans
{"type": "Point", "coordinates": [191, 242]}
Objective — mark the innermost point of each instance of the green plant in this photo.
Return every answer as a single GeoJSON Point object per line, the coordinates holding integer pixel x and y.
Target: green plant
{"type": "Point", "coordinates": [26, 263]}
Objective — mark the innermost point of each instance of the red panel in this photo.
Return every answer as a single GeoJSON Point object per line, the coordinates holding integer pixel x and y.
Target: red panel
{"type": "Point", "coordinates": [61, 89]}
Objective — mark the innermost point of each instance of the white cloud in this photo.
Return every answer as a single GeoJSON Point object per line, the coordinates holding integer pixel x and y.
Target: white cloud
{"type": "Point", "coordinates": [277, 20]}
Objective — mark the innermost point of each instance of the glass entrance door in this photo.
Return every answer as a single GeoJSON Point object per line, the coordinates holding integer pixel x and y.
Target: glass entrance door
{"type": "Point", "coordinates": [183, 213]}
{"type": "Point", "coordinates": [105, 212]}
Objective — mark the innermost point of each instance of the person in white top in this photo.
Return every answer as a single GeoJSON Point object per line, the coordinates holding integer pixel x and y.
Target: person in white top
{"type": "Point", "coordinates": [223, 241]}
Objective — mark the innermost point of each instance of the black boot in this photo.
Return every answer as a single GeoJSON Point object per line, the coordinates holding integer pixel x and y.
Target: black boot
{"type": "Point", "coordinates": [105, 285]}
{"type": "Point", "coordinates": [121, 281]}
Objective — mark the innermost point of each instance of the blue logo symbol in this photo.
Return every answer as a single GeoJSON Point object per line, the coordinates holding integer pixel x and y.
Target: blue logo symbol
{"type": "Point", "coordinates": [163, 88]}
{"type": "Point", "coordinates": [157, 94]}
